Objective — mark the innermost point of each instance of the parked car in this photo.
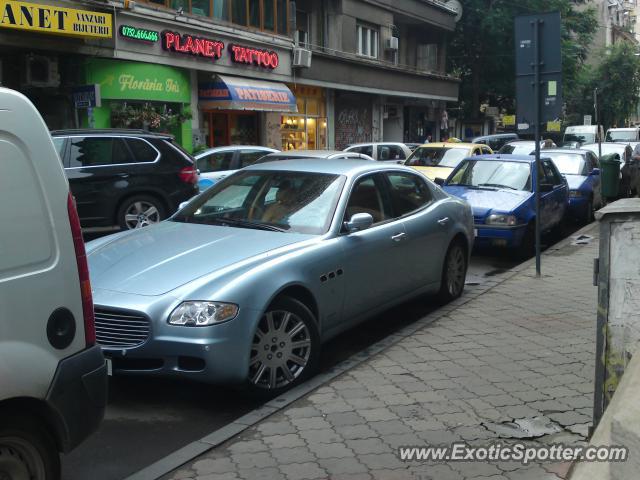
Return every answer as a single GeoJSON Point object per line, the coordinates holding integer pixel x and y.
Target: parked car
{"type": "Point", "coordinates": [53, 378]}
{"type": "Point", "coordinates": [245, 282]}
{"type": "Point", "coordinates": [497, 140]}
{"type": "Point", "coordinates": [581, 169]}
{"type": "Point", "coordinates": [525, 147]}
{"type": "Point", "coordinates": [578, 135]}
{"type": "Point", "coordinates": [439, 159]}
{"type": "Point", "coordinates": [312, 154]}
{"type": "Point", "coordinates": [413, 146]}
{"type": "Point", "coordinates": [383, 152]}
{"type": "Point", "coordinates": [623, 135]}
{"type": "Point", "coordinates": [216, 163]}
{"type": "Point", "coordinates": [129, 178]}
{"type": "Point", "coordinates": [500, 189]}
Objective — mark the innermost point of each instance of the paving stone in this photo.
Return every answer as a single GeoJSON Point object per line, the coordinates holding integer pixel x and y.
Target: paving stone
{"type": "Point", "coordinates": [381, 461]}
{"type": "Point", "coordinates": [378, 414]}
{"type": "Point", "coordinates": [330, 450]}
{"type": "Point", "coordinates": [282, 441]}
{"type": "Point", "coordinates": [311, 423]}
{"type": "Point", "coordinates": [345, 418]}
{"type": "Point", "coordinates": [435, 472]}
{"type": "Point", "coordinates": [341, 466]}
{"type": "Point", "coordinates": [320, 436]}
{"type": "Point", "coordinates": [287, 455]}
{"type": "Point", "coordinates": [221, 476]}
{"type": "Point", "coordinates": [303, 471]}
{"type": "Point", "coordinates": [254, 459]}
{"type": "Point", "coordinates": [386, 474]}
{"type": "Point", "coordinates": [248, 446]}
{"type": "Point", "coordinates": [390, 427]}
{"type": "Point", "coordinates": [356, 431]}
{"type": "Point", "coordinates": [569, 418]}
{"type": "Point", "coordinates": [270, 473]}
{"type": "Point", "coordinates": [218, 465]}
{"type": "Point", "coordinates": [276, 428]}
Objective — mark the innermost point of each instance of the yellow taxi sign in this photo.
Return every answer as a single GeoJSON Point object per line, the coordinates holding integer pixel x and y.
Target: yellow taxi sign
{"type": "Point", "coordinates": [553, 126]}
{"type": "Point", "coordinates": [39, 18]}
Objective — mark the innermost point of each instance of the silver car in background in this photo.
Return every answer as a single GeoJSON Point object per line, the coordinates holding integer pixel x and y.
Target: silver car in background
{"type": "Point", "coordinates": [245, 282]}
{"type": "Point", "coordinates": [216, 163]}
{"type": "Point", "coordinates": [383, 151]}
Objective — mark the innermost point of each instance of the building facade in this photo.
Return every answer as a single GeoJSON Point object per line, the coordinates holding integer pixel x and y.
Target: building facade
{"type": "Point", "coordinates": [288, 75]}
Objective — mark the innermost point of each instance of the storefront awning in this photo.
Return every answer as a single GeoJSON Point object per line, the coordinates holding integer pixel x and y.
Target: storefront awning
{"type": "Point", "coordinates": [235, 93]}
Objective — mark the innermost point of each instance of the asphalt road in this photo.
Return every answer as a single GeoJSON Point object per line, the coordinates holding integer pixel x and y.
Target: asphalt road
{"type": "Point", "coordinates": [147, 419]}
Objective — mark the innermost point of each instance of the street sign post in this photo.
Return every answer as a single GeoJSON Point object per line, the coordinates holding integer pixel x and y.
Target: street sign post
{"type": "Point", "coordinates": [538, 71]}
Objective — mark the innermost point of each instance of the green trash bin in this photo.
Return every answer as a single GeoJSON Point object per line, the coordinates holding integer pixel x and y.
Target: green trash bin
{"type": "Point", "coordinates": [610, 175]}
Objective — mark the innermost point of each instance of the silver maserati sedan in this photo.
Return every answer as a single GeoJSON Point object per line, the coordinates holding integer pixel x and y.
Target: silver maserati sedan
{"type": "Point", "coordinates": [245, 282]}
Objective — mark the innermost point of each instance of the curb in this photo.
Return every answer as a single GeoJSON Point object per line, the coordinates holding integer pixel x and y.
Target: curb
{"type": "Point", "coordinates": [192, 450]}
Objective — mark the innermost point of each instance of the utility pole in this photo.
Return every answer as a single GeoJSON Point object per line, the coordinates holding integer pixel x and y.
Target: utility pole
{"type": "Point", "coordinates": [595, 107]}
{"type": "Point", "coordinates": [536, 65]}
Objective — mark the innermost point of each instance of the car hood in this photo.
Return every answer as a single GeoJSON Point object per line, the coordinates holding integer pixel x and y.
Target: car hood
{"type": "Point", "coordinates": [575, 181]}
{"type": "Point", "coordinates": [483, 202]}
{"type": "Point", "coordinates": [157, 259]}
{"type": "Point", "coordinates": [435, 172]}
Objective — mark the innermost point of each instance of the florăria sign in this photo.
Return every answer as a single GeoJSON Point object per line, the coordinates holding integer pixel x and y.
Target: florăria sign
{"type": "Point", "coordinates": [213, 49]}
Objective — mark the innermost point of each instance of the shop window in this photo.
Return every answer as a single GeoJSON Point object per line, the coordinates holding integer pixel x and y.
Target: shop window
{"type": "Point", "coordinates": [239, 13]}
{"type": "Point", "coordinates": [368, 41]}
{"type": "Point", "coordinates": [306, 130]}
{"type": "Point", "coordinates": [270, 15]}
{"type": "Point", "coordinates": [221, 9]}
{"type": "Point", "coordinates": [201, 7]}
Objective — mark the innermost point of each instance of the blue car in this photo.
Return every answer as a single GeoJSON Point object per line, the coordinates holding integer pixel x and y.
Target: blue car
{"type": "Point", "coordinates": [581, 169]}
{"type": "Point", "coordinates": [500, 190]}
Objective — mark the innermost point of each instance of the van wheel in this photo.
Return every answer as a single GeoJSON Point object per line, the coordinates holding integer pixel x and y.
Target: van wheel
{"type": "Point", "coordinates": [140, 211]}
{"type": "Point", "coordinates": [27, 452]}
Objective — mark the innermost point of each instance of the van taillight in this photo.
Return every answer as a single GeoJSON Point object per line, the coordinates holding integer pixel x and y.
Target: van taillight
{"type": "Point", "coordinates": [83, 273]}
{"type": "Point", "coordinates": [189, 175]}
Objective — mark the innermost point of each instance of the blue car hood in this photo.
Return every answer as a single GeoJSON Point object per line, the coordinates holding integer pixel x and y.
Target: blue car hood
{"type": "Point", "coordinates": [157, 259]}
{"type": "Point", "coordinates": [483, 202]}
{"type": "Point", "coordinates": [575, 181]}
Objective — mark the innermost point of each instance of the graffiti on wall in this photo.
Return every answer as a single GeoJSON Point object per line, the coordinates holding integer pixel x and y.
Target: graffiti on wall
{"type": "Point", "coordinates": [353, 124]}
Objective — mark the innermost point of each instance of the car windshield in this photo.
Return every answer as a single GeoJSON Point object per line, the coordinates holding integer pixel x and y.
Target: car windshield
{"type": "Point", "coordinates": [299, 202]}
{"type": "Point", "coordinates": [437, 157]}
{"type": "Point", "coordinates": [621, 135]}
{"type": "Point", "coordinates": [568, 163]}
{"type": "Point", "coordinates": [493, 174]}
{"type": "Point", "coordinates": [579, 137]}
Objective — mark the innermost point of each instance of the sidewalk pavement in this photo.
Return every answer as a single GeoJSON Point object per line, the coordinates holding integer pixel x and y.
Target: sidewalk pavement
{"type": "Point", "coordinates": [524, 348]}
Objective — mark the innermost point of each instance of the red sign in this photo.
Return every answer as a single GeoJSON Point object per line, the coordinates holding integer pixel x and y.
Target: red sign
{"type": "Point", "coordinates": [254, 56]}
{"type": "Point", "coordinates": [191, 45]}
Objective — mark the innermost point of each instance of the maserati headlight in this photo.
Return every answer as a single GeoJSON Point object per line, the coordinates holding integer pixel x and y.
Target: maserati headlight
{"type": "Point", "coordinates": [202, 314]}
{"type": "Point", "coordinates": [502, 219]}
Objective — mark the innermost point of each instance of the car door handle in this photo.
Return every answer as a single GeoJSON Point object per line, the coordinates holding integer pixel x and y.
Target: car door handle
{"type": "Point", "coordinates": [398, 237]}
{"type": "Point", "coordinates": [444, 221]}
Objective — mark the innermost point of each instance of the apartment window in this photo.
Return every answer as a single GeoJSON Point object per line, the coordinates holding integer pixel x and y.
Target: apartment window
{"type": "Point", "coordinates": [427, 57]}
{"type": "Point", "coordinates": [368, 41]}
{"type": "Point", "coordinates": [302, 25]}
{"type": "Point", "coordinates": [269, 15]}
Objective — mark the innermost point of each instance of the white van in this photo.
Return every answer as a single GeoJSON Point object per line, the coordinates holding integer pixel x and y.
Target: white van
{"type": "Point", "coordinates": [576, 135]}
{"type": "Point", "coordinates": [624, 135]}
{"type": "Point", "coordinates": [53, 377]}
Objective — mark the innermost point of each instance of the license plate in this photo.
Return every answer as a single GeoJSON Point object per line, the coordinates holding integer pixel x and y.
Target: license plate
{"type": "Point", "coordinates": [475, 232]}
{"type": "Point", "coordinates": [109, 367]}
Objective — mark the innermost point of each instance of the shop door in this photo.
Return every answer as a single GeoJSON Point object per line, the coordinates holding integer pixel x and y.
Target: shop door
{"type": "Point", "coordinates": [233, 128]}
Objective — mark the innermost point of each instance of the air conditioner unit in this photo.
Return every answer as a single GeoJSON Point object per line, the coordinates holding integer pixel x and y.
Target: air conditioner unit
{"type": "Point", "coordinates": [392, 43]}
{"type": "Point", "coordinates": [301, 58]}
{"type": "Point", "coordinates": [41, 71]}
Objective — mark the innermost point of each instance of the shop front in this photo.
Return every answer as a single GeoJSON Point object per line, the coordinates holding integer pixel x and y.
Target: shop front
{"type": "Point", "coordinates": [306, 129]}
{"type": "Point", "coordinates": [235, 110]}
{"type": "Point", "coordinates": [141, 95]}
{"type": "Point", "coordinates": [43, 47]}
{"type": "Point", "coordinates": [353, 119]}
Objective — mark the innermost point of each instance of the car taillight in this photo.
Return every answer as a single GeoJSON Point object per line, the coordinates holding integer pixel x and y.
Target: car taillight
{"type": "Point", "coordinates": [189, 175]}
{"type": "Point", "coordinates": [83, 273]}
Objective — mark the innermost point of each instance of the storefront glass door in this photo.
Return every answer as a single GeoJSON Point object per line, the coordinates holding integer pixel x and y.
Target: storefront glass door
{"type": "Point", "coordinates": [232, 128]}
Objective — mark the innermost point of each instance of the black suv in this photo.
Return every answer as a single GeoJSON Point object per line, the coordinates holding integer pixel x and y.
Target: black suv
{"type": "Point", "coordinates": [130, 178]}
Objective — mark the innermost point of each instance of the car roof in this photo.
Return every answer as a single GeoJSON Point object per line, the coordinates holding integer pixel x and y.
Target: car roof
{"type": "Point", "coordinates": [349, 166]}
{"type": "Point", "coordinates": [565, 150]}
{"type": "Point", "coordinates": [494, 135]}
{"type": "Point", "coordinates": [235, 147]}
{"type": "Point", "coordinates": [307, 153]}
{"type": "Point", "coordinates": [614, 144]}
{"type": "Point", "coordinates": [109, 131]}
{"type": "Point", "coordinates": [623, 129]}
{"type": "Point", "coordinates": [364, 144]}
{"type": "Point", "coordinates": [504, 156]}
{"type": "Point", "coordinates": [452, 145]}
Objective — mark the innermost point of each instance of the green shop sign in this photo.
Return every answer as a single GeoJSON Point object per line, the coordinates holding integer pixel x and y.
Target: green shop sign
{"type": "Point", "coordinates": [142, 34]}
{"type": "Point", "coordinates": [120, 80]}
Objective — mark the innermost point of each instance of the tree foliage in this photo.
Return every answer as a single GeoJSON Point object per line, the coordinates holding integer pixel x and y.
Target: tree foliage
{"type": "Point", "coordinates": [482, 50]}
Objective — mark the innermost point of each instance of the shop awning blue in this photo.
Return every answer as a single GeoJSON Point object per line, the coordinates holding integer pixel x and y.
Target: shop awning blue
{"type": "Point", "coordinates": [236, 93]}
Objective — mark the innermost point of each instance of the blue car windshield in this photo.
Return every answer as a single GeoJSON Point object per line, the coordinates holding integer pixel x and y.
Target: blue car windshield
{"type": "Point", "coordinates": [300, 202]}
{"type": "Point", "coordinates": [568, 163]}
{"type": "Point", "coordinates": [493, 174]}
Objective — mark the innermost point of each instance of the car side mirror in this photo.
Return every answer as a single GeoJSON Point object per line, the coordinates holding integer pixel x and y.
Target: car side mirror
{"type": "Point", "coordinates": [358, 221]}
{"type": "Point", "coordinates": [439, 181]}
{"type": "Point", "coordinates": [595, 171]}
{"type": "Point", "coordinates": [182, 205]}
{"type": "Point", "coordinates": [400, 162]}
